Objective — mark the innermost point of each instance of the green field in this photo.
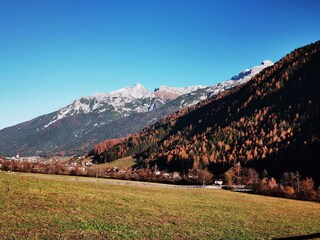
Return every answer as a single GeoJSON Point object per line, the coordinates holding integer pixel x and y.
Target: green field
{"type": "Point", "coordinates": [53, 207]}
{"type": "Point", "coordinates": [123, 163]}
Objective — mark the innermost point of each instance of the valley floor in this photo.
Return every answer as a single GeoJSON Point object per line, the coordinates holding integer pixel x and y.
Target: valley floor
{"type": "Point", "coordinates": [55, 207]}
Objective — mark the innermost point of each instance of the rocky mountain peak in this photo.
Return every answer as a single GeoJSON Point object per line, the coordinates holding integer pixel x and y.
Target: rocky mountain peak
{"type": "Point", "coordinates": [247, 74]}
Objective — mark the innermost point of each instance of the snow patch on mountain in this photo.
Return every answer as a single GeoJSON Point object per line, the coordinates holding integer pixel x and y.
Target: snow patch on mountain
{"type": "Point", "coordinates": [236, 80]}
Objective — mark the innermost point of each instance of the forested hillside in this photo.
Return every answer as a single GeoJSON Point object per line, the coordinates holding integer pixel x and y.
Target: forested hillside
{"type": "Point", "coordinates": [272, 123]}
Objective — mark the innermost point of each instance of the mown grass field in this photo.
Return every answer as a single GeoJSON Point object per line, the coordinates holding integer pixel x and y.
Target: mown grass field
{"type": "Point", "coordinates": [55, 208]}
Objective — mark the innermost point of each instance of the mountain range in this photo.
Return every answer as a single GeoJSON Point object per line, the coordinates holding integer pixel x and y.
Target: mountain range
{"type": "Point", "coordinates": [271, 122]}
{"type": "Point", "coordinates": [76, 128]}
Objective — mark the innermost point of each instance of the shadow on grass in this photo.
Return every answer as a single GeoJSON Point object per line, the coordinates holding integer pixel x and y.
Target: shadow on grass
{"type": "Point", "coordinates": [309, 236]}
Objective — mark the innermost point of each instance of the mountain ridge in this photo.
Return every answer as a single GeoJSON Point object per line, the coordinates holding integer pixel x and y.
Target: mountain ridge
{"type": "Point", "coordinates": [91, 119]}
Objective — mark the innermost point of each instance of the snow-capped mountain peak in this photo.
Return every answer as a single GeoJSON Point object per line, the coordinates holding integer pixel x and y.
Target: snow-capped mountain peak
{"type": "Point", "coordinates": [138, 86]}
{"type": "Point", "coordinates": [249, 73]}
{"type": "Point", "coordinates": [132, 92]}
{"type": "Point", "coordinates": [238, 79]}
{"type": "Point", "coordinates": [267, 63]}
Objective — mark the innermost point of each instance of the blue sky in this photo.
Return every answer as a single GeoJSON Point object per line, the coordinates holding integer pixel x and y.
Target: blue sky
{"type": "Point", "coordinates": [55, 51]}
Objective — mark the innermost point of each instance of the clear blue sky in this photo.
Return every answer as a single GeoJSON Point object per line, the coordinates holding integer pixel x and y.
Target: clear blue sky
{"type": "Point", "coordinates": [55, 51]}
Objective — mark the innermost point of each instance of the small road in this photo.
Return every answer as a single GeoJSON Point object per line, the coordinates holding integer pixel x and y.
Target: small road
{"type": "Point", "coordinates": [108, 181]}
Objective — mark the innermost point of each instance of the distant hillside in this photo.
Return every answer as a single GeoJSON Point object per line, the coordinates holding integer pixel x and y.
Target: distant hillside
{"type": "Point", "coordinates": [272, 122]}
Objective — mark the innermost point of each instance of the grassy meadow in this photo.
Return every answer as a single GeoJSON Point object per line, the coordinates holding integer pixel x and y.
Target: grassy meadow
{"type": "Point", "coordinates": [52, 207]}
{"type": "Point", "coordinates": [123, 163]}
